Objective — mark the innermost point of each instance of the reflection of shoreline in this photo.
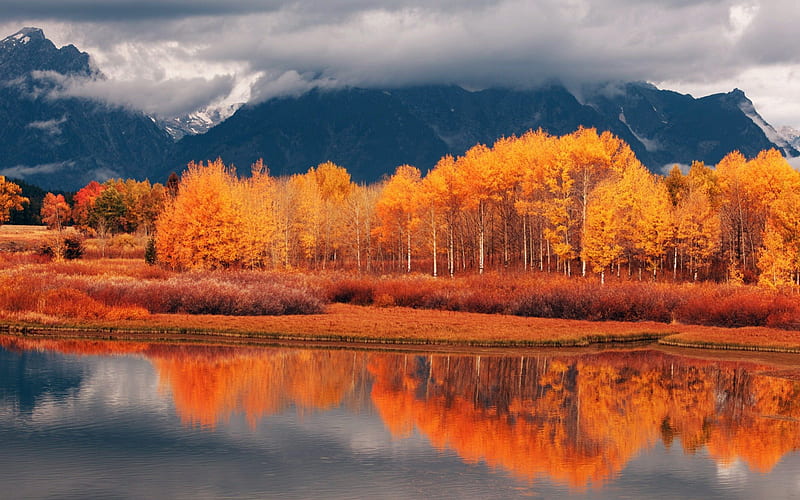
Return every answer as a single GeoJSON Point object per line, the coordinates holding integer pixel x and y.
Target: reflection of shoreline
{"type": "Point", "coordinates": [577, 419]}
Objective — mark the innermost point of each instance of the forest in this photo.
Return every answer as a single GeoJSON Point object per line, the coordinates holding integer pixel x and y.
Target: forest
{"type": "Point", "coordinates": [578, 204]}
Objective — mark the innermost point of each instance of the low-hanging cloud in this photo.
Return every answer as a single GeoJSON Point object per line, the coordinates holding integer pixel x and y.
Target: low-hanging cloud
{"type": "Point", "coordinates": [49, 127]}
{"type": "Point", "coordinates": [160, 98]}
{"type": "Point", "coordinates": [288, 47]}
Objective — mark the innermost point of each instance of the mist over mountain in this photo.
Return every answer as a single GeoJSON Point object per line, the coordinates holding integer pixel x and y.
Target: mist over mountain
{"type": "Point", "coordinates": [62, 142]}
{"type": "Point", "coordinates": [54, 139]}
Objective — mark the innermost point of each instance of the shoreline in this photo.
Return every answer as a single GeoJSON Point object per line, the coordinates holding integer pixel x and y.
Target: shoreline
{"type": "Point", "coordinates": [397, 327]}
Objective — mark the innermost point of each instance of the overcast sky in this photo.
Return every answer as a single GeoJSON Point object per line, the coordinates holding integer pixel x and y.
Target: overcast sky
{"type": "Point", "coordinates": [172, 56]}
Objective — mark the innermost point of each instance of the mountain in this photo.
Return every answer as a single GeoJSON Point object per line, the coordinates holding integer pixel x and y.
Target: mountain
{"type": "Point", "coordinates": [199, 122]}
{"type": "Point", "coordinates": [371, 131]}
{"type": "Point", "coordinates": [673, 127]}
{"type": "Point", "coordinates": [62, 142]}
{"type": "Point", "coordinates": [791, 135]}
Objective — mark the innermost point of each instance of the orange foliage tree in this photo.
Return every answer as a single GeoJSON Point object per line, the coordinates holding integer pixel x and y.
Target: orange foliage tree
{"type": "Point", "coordinates": [397, 210]}
{"type": "Point", "coordinates": [203, 226]}
{"type": "Point", "coordinates": [10, 198]}
{"type": "Point", "coordinates": [55, 211]}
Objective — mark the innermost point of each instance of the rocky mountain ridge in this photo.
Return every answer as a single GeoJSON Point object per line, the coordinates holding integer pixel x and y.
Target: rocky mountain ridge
{"type": "Point", "coordinates": [61, 142]}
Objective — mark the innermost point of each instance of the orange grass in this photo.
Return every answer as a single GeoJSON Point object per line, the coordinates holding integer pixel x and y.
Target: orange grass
{"type": "Point", "coordinates": [397, 325]}
{"type": "Point", "coordinates": [389, 325]}
{"type": "Point", "coordinates": [21, 237]}
{"type": "Point", "coordinates": [747, 338]}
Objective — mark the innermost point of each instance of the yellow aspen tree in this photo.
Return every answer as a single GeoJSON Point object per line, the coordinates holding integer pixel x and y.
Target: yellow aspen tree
{"type": "Point", "coordinates": [10, 199]}
{"type": "Point", "coordinates": [444, 198]}
{"type": "Point", "coordinates": [253, 197]}
{"type": "Point", "coordinates": [749, 189]}
{"type": "Point", "coordinates": [601, 244]}
{"type": "Point", "coordinates": [476, 185]}
{"type": "Point", "coordinates": [631, 191]}
{"type": "Point", "coordinates": [534, 152]}
{"type": "Point", "coordinates": [432, 198]}
{"type": "Point", "coordinates": [152, 203]}
{"type": "Point", "coordinates": [508, 163]}
{"type": "Point", "coordinates": [201, 227]}
{"type": "Point", "coordinates": [738, 212]}
{"type": "Point", "coordinates": [308, 223]}
{"type": "Point", "coordinates": [359, 222]}
{"type": "Point", "coordinates": [697, 221]}
{"type": "Point", "coordinates": [779, 258]}
{"type": "Point", "coordinates": [654, 226]}
{"type": "Point", "coordinates": [397, 208]}
{"type": "Point", "coordinates": [285, 201]}
{"type": "Point", "coordinates": [334, 186]}
{"type": "Point", "coordinates": [560, 207]}
{"type": "Point", "coordinates": [596, 158]}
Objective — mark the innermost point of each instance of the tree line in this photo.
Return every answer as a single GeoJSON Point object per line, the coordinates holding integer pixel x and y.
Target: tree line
{"type": "Point", "coordinates": [580, 203]}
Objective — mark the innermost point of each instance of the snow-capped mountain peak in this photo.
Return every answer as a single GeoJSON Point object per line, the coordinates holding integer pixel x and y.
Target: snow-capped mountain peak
{"type": "Point", "coordinates": [23, 37]}
{"type": "Point", "coordinates": [198, 122]}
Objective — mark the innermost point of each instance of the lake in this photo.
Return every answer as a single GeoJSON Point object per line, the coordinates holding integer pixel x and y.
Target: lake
{"type": "Point", "coordinates": [92, 419]}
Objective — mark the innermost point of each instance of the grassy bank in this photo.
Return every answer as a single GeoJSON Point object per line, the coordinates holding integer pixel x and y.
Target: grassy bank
{"type": "Point", "coordinates": [362, 324]}
{"type": "Point", "coordinates": [119, 297]}
{"type": "Point", "coordinates": [404, 326]}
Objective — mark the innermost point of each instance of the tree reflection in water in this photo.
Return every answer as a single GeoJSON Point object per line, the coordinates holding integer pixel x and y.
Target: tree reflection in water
{"type": "Point", "coordinates": [577, 419]}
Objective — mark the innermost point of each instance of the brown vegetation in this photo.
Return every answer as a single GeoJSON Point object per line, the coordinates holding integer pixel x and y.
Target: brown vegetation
{"type": "Point", "coordinates": [125, 293]}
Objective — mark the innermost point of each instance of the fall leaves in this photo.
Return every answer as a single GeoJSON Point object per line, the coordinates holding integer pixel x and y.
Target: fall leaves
{"type": "Point", "coordinates": [10, 198]}
{"type": "Point", "coordinates": [534, 201]}
{"type": "Point", "coordinates": [574, 204]}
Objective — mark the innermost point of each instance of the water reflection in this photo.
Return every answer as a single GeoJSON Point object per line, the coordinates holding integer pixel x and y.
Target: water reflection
{"type": "Point", "coordinates": [574, 419]}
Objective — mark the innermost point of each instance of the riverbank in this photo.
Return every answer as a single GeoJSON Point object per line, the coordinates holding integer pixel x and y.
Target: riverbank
{"type": "Point", "coordinates": [369, 325]}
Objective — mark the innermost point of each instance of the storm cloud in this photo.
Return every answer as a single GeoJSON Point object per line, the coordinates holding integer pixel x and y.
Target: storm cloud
{"type": "Point", "coordinates": [259, 49]}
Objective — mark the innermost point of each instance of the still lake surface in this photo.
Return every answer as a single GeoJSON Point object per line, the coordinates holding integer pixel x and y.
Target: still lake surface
{"type": "Point", "coordinates": [86, 419]}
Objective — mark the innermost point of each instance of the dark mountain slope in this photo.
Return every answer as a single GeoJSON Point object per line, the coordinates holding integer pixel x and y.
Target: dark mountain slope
{"type": "Point", "coordinates": [370, 132]}
{"type": "Point", "coordinates": [65, 142]}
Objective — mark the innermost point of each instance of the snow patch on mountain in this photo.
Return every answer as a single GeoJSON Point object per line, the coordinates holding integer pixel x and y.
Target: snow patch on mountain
{"type": "Point", "coordinates": [649, 144]}
{"type": "Point", "coordinates": [746, 105]}
{"type": "Point", "coordinates": [792, 135]}
{"type": "Point", "coordinates": [198, 122]}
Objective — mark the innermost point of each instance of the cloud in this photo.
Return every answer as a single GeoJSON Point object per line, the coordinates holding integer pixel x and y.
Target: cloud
{"type": "Point", "coordinates": [49, 127]}
{"type": "Point", "coordinates": [161, 98]}
{"type": "Point", "coordinates": [116, 10]}
{"type": "Point", "coordinates": [286, 47]}
{"type": "Point", "coordinates": [23, 171]}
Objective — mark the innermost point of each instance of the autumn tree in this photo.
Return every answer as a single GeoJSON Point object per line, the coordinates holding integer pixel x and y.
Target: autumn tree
{"type": "Point", "coordinates": [535, 153]}
{"type": "Point", "coordinates": [697, 222]}
{"type": "Point", "coordinates": [201, 227]}
{"type": "Point", "coordinates": [254, 198]}
{"type": "Point", "coordinates": [397, 209]}
{"type": "Point", "coordinates": [360, 219]}
{"type": "Point", "coordinates": [55, 211]}
{"type": "Point", "coordinates": [10, 199]}
{"type": "Point", "coordinates": [83, 205]}
{"type": "Point", "coordinates": [334, 187]}
{"type": "Point", "coordinates": [602, 244]}
{"type": "Point", "coordinates": [748, 191]}
{"type": "Point", "coordinates": [779, 259]}
{"type": "Point", "coordinates": [320, 197]}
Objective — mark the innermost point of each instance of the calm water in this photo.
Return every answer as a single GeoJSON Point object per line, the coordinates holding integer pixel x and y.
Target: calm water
{"type": "Point", "coordinates": [122, 420]}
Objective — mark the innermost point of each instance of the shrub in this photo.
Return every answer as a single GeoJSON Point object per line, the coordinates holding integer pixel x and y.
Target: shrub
{"type": "Point", "coordinates": [70, 303]}
{"type": "Point", "coordinates": [150, 256]}
{"type": "Point", "coordinates": [737, 306]}
{"type": "Point", "coordinates": [350, 291]}
{"type": "Point", "coordinates": [69, 247]}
